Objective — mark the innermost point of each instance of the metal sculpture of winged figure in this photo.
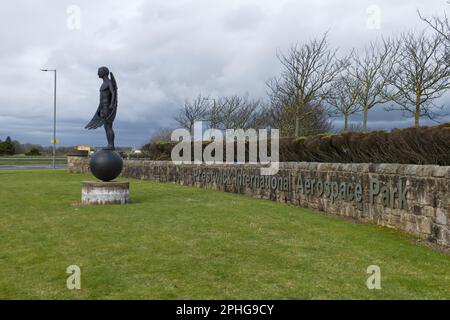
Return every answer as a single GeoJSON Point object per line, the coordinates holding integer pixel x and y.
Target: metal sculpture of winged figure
{"type": "Point", "coordinates": [107, 109]}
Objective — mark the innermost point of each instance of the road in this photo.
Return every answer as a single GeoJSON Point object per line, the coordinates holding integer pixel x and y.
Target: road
{"type": "Point", "coordinates": [30, 166]}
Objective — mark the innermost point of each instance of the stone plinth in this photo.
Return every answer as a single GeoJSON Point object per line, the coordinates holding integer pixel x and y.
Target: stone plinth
{"type": "Point", "coordinates": [97, 192]}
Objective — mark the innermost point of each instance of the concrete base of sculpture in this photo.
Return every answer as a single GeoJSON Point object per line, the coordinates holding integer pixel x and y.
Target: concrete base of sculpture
{"type": "Point", "coordinates": [98, 192]}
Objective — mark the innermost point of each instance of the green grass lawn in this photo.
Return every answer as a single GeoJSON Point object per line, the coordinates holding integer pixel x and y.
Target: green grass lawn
{"type": "Point", "coordinates": [27, 160]}
{"type": "Point", "coordinates": [176, 242]}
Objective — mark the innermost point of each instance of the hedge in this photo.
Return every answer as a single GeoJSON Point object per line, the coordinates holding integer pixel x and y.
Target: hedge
{"type": "Point", "coordinates": [424, 145]}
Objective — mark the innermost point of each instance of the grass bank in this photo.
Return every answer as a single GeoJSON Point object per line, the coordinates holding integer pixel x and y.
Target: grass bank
{"type": "Point", "coordinates": [30, 160]}
{"type": "Point", "coordinates": [176, 242]}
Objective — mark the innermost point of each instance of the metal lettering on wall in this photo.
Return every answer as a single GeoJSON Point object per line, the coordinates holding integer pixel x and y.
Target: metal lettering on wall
{"type": "Point", "coordinates": [349, 191]}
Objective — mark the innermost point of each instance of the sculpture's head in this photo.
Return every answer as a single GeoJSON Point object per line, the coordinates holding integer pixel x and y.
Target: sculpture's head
{"type": "Point", "coordinates": [103, 72]}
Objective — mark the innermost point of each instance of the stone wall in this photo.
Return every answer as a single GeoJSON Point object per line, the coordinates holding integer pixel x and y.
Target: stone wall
{"type": "Point", "coordinates": [78, 164]}
{"type": "Point", "coordinates": [411, 198]}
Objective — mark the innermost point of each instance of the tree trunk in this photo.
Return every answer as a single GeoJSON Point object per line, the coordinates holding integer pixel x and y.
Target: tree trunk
{"type": "Point", "coordinates": [417, 113]}
{"type": "Point", "coordinates": [366, 111]}
{"type": "Point", "coordinates": [345, 121]}
{"type": "Point", "coordinates": [416, 116]}
{"type": "Point", "coordinates": [297, 126]}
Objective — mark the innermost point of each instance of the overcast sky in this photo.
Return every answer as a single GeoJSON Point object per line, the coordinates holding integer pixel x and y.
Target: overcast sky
{"type": "Point", "coordinates": [163, 52]}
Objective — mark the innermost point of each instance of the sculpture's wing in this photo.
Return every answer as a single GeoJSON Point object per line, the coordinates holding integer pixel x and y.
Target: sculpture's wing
{"type": "Point", "coordinates": [112, 115]}
{"type": "Point", "coordinates": [96, 121]}
{"type": "Point", "coordinates": [113, 81]}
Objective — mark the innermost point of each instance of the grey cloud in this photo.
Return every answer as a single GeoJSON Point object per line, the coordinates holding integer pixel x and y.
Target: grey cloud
{"type": "Point", "coordinates": [244, 17]}
{"type": "Point", "coordinates": [162, 53]}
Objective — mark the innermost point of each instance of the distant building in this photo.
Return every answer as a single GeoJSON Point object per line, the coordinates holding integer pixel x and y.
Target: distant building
{"type": "Point", "coordinates": [85, 148]}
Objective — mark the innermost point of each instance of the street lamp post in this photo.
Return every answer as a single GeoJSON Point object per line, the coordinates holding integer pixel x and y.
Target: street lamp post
{"type": "Point", "coordinates": [54, 117]}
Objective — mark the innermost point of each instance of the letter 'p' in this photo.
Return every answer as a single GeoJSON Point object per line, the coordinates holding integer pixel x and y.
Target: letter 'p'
{"type": "Point", "coordinates": [374, 189]}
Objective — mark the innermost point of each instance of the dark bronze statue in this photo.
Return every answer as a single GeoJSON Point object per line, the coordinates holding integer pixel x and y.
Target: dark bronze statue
{"type": "Point", "coordinates": [106, 112]}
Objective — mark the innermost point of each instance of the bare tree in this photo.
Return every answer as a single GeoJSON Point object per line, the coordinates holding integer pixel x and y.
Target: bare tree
{"type": "Point", "coordinates": [279, 116]}
{"type": "Point", "coordinates": [193, 111]}
{"type": "Point", "coordinates": [238, 111]}
{"type": "Point", "coordinates": [281, 110]}
{"type": "Point", "coordinates": [372, 69]}
{"type": "Point", "coordinates": [421, 75]}
{"type": "Point", "coordinates": [213, 112]}
{"type": "Point", "coordinates": [440, 24]}
{"type": "Point", "coordinates": [344, 96]}
{"type": "Point", "coordinates": [307, 72]}
{"type": "Point", "coordinates": [228, 112]}
{"type": "Point", "coordinates": [162, 134]}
